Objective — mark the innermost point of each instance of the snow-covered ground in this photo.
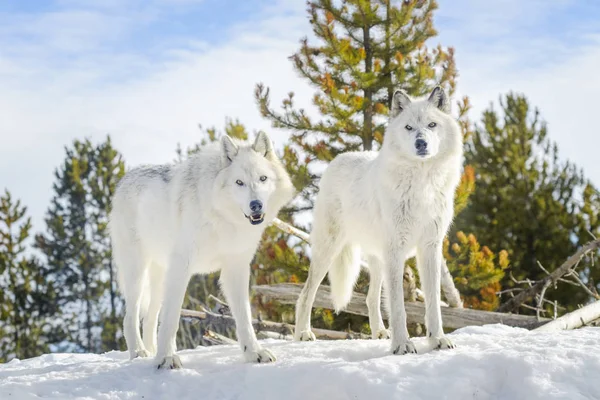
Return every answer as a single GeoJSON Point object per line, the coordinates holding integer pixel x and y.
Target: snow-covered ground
{"type": "Point", "coordinates": [491, 362]}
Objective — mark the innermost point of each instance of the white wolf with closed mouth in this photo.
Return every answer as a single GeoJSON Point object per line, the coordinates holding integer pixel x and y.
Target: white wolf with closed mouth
{"type": "Point", "coordinates": [391, 205]}
{"type": "Point", "coordinates": [203, 215]}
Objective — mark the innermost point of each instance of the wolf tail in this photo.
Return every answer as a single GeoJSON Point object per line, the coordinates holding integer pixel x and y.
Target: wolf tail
{"type": "Point", "coordinates": [342, 276]}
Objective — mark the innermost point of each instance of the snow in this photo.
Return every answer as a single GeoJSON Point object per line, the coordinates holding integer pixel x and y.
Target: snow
{"type": "Point", "coordinates": [490, 362]}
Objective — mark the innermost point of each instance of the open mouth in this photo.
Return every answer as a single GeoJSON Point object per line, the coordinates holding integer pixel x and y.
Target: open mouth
{"type": "Point", "coordinates": [255, 219]}
{"type": "Point", "coordinates": [423, 153]}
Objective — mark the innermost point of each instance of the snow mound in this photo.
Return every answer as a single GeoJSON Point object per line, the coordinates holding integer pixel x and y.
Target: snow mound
{"type": "Point", "coordinates": [490, 362]}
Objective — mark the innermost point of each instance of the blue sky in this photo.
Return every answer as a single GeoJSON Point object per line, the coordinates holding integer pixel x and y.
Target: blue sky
{"type": "Point", "coordinates": [148, 72]}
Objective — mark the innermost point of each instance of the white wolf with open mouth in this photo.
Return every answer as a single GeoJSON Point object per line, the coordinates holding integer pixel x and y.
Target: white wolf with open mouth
{"type": "Point", "coordinates": [391, 205]}
{"type": "Point", "coordinates": [203, 215]}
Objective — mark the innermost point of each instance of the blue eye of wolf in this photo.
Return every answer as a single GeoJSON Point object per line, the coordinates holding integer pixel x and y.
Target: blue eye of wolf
{"type": "Point", "coordinates": [240, 183]}
{"type": "Point", "coordinates": [263, 178]}
{"type": "Point", "coordinates": [432, 125]}
{"type": "Point", "coordinates": [408, 127]}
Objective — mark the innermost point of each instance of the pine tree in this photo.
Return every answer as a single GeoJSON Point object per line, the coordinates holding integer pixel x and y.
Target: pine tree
{"type": "Point", "coordinates": [24, 312]}
{"type": "Point", "coordinates": [528, 201]}
{"type": "Point", "coordinates": [108, 168]}
{"type": "Point", "coordinates": [76, 246]}
{"type": "Point", "coordinates": [365, 51]}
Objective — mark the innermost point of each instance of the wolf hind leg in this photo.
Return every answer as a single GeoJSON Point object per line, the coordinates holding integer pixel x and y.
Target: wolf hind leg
{"type": "Point", "coordinates": [134, 285]}
{"type": "Point", "coordinates": [150, 320]}
{"type": "Point", "coordinates": [325, 250]}
{"type": "Point", "coordinates": [378, 330]}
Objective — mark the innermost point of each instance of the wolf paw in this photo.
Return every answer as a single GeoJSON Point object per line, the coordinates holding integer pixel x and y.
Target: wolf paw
{"type": "Point", "coordinates": [382, 334]}
{"type": "Point", "coordinates": [404, 348]}
{"type": "Point", "coordinates": [442, 343]}
{"type": "Point", "coordinates": [172, 362]}
{"type": "Point", "coordinates": [260, 356]}
{"type": "Point", "coordinates": [139, 353]}
{"type": "Point", "coordinates": [306, 336]}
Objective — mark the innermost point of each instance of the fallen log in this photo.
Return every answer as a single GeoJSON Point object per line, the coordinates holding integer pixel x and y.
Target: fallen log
{"type": "Point", "coordinates": [447, 283]}
{"type": "Point", "coordinates": [282, 329]}
{"type": "Point", "coordinates": [453, 318]}
{"type": "Point", "coordinates": [573, 320]}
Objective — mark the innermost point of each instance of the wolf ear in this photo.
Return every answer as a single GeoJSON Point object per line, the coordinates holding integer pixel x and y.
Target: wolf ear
{"type": "Point", "coordinates": [230, 149]}
{"type": "Point", "coordinates": [400, 100]}
{"type": "Point", "coordinates": [262, 144]}
{"type": "Point", "coordinates": [439, 99]}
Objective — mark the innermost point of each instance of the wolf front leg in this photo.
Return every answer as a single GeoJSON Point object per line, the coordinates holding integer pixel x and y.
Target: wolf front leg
{"type": "Point", "coordinates": [235, 282]}
{"type": "Point", "coordinates": [176, 281]}
{"type": "Point", "coordinates": [429, 261]}
{"type": "Point", "coordinates": [394, 275]}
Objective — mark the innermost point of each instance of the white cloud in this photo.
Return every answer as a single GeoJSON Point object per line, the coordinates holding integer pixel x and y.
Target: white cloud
{"type": "Point", "coordinates": [555, 73]}
{"type": "Point", "coordinates": [159, 99]}
{"type": "Point", "coordinates": [44, 107]}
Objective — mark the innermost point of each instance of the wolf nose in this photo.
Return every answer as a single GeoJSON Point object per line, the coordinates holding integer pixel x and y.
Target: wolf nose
{"type": "Point", "coordinates": [256, 205]}
{"type": "Point", "coordinates": [421, 145]}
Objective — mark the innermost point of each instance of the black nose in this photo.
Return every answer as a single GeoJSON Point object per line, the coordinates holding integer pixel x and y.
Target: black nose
{"type": "Point", "coordinates": [421, 145]}
{"type": "Point", "coordinates": [256, 205]}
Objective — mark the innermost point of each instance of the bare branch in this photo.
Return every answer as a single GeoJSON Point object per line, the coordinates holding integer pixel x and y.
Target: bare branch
{"type": "Point", "coordinates": [541, 298]}
{"type": "Point", "coordinates": [580, 283]}
{"type": "Point", "coordinates": [518, 300]}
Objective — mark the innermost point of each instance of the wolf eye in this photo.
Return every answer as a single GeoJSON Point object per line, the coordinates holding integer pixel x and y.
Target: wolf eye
{"type": "Point", "coordinates": [240, 183]}
{"type": "Point", "coordinates": [408, 128]}
{"type": "Point", "coordinates": [432, 125]}
{"type": "Point", "coordinates": [263, 178]}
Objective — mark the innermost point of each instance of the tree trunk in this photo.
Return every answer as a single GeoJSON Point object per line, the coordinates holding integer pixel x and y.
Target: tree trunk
{"type": "Point", "coordinates": [113, 310]}
{"type": "Point", "coordinates": [368, 106]}
{"type": "Point", "coordinates": [88, 310]}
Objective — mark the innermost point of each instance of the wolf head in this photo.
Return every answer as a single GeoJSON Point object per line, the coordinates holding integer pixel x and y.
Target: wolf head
{"type": "Point", "coordinates": [421, 129]}
{"type": "Point", "coordinates": [256, 181]}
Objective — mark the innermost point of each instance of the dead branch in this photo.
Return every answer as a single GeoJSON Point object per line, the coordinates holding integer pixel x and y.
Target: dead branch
{"type": "Point", "coordinates": [282, 329]}
{"type": "Point", "coordinates": [579, 282]}
{"type": "Point", "coordinates": [514, 303]}
{"type": "Point", "coordinates": [287, 293]}
{"type": "Point", "coordinates": [540, 303]}
{"type": "Point", "coordinates": [573, 320]}
{"type": "Point", "coordinates": [448, 288]}
{"type": "Point", "coordinates": [211, 338]}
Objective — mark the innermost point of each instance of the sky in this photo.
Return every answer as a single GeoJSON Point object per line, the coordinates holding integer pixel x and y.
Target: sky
{"type": "Point", "coordinates": [147, 72]}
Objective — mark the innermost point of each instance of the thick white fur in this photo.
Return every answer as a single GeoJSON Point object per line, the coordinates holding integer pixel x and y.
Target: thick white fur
{"type": "Point", "coordinates": [391, 205]}
{"type": "Point", "coordinates": [169, 222]}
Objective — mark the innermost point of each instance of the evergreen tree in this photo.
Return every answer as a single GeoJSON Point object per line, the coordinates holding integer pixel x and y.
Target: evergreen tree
{"type": "Point", "coordinates": [108, 168]}
{"type": "Point", "coordinates": [24, 312]}
{"type": "Point", "coordinates": [76, 246]}
{"type": "Point", "coordinates": [528, 201]}
{"type": "Point", "coordinates": [365, 51]}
